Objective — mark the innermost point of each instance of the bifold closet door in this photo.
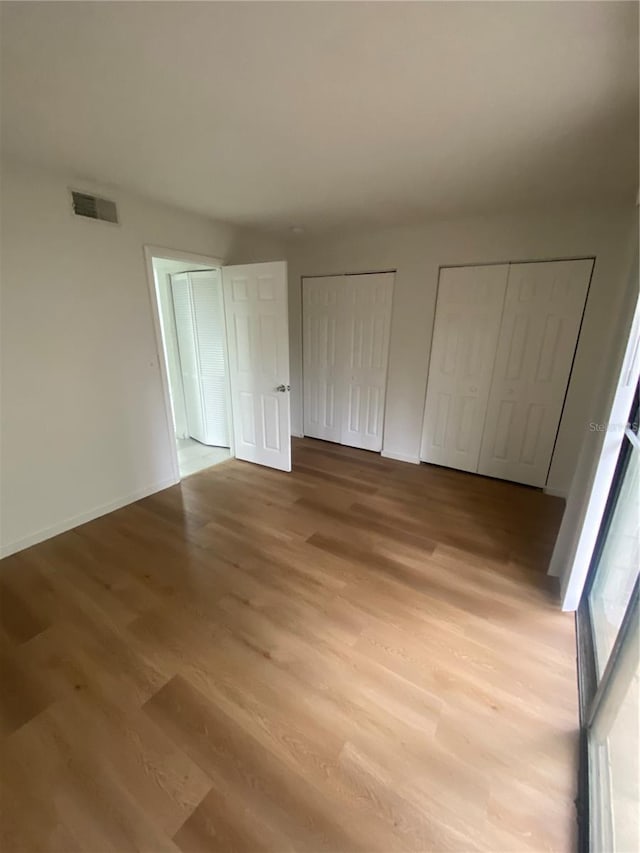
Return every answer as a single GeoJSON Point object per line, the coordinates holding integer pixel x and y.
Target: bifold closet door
{"type": "Point", "coordinates": [347, 323]}
{"type": "Point", "coordinates": [208, 312]}
{"type": "Point", "coordinates": [541, 321]}
{"type": "Point", "coordinates": [322, 400]}
{"type": "Point", "coordinates": [465, 339]}
{"type": "Point", "coordinates": [367, 327]}
{"type": "Point", "coordinates": [185, 333]}
{"type": "Point", "coordinates": [200, 330]}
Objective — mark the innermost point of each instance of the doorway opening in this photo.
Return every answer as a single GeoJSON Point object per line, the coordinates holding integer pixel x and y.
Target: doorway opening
{"type": "Point", "coordinates": [222, 339]}
{"type": "Point", "coordinates": [192, 324]}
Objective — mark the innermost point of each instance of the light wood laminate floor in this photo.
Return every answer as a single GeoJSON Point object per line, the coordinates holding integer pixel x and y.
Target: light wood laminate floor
{"type": "Point", "coordinates": [362, 655]}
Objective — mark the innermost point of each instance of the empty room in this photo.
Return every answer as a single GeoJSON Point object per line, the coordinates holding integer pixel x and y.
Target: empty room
{"type": "Point", "coordinates": [319, 454]}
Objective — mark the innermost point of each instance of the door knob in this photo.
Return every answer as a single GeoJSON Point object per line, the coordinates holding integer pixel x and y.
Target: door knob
{"type": "Point", "coordinates": [283, 388]}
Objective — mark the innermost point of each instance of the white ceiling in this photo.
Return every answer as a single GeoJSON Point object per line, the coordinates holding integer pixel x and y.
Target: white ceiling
{"type": "Point", "coordinates": [324, 114]}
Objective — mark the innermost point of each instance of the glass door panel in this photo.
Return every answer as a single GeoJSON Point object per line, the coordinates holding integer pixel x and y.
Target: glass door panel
{"type": "Point", "coordinates": [614, 750]}
{"type": "Point", "coordinates": [619, 562]}
{"type": "Point", "coordinates": [609, 656]}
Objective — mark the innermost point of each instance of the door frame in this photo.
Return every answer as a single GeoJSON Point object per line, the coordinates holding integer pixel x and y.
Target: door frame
{"type": "Point", "coordinates": [591, 688]}
{"type": "Point", "coordinates": [151, 252]}
{"type": "Point", "coordinates": [394, 272]}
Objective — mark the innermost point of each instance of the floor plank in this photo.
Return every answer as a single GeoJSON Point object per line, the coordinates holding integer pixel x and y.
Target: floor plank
{"type": "Point", "coordinates": [362, 655]}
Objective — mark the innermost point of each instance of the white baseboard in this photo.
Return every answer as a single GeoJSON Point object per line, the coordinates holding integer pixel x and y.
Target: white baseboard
{"type": "Point", "coordinates": [556, 493]}
{"type": "Point", "coordinates": [82, 518]}
{"type": "Point", "coordinates": [297, 435]}
{"type": "Point", "coordinates": [401, 457]}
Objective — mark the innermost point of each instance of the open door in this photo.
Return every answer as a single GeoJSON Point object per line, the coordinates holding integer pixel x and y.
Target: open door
{"type": "Point", "coordinates": [255, 299]}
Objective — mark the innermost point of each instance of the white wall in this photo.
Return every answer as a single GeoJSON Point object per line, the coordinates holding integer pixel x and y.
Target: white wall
{"type": "Point", "coordinates": [84, 427]}
{"type": "Point", "coordinates": [416, 252]}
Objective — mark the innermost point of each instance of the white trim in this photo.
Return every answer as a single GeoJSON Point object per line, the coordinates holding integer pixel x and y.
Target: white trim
{"type": "Point", "coordinates": [83, 518]}
{"type": "Point", "coordinates": [177, 255]}
{"type": "Point", "coordinates": [227, 369]}
{"type": "Point", "coordinates": [400, 457]}
{"type": "Point", "coordinates": [633, 438]}
{"type": "Point", "coordinates": [297, 435]}
{"type": "Point", "coordinates": [151, 252]}
{"type": "Point", "coordinates": [555, 493]}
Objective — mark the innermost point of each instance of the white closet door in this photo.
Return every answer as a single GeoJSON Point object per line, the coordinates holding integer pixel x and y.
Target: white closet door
{"type": "Point", "coordinates": [255, 298]}
{"type": "Point", "coordinates": [465, 339]}
{"type": "Point", "coordinates": [542, 315]}
{"type": "Point", "coordinates": [367, 325]}
{"type": "Point", "coordinates": [211, 348]}
{"type": "Point", "coordinates": [323, 383]}
{"type": "Point", "coordinates": [183, 311]}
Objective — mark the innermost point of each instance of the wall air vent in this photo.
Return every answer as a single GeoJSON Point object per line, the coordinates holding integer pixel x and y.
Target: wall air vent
{"type": "Point", "coordinates": [94, 207]}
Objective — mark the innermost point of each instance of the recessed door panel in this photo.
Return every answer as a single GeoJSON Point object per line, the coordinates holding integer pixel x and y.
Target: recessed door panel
{"type": "Point", "coordinates": [241, 339]}
{"type": "Point", "coordinates": [247, 420]}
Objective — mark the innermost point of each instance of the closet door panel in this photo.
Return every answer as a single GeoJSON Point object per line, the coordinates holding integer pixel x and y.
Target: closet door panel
{"type": "Point", "coordinates": [465, 339]}
{"type": "Point", "coordinates": [367, 324]}
{"type": "Point", "coordinates": [208, 314]}
{"type": "Point", "coordinates": [541, 322]}
{"type": "Point", "coordinates": [323, 357]}
{"type": "Point", "coordinates": [185, 333]}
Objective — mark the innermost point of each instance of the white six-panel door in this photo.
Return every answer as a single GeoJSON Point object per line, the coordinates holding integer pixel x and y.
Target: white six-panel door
{"type": "Point", "coordinates": [465, 338]}
{"type": "Point", "coordinates": [255, 297]}
{"type": "Point", "coordinates": [346, 329]}
{"type": "Point", "coordinates": [542, 315]}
